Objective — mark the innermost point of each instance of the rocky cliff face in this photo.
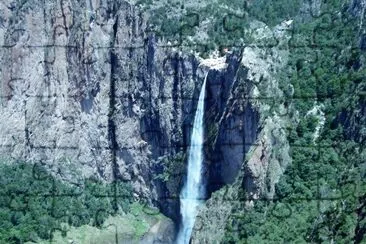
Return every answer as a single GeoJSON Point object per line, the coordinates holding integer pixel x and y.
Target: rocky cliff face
{"type": "Point", "coordinates": [87, 87]}
{"type": "Point", "coordinates": [252, 127]}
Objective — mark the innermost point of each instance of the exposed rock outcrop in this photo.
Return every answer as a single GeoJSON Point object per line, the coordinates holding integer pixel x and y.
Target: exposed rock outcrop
{"type": "Point", "coordinates": [258, 151]}
{"type": "Point", "coordinates": [85, 85]}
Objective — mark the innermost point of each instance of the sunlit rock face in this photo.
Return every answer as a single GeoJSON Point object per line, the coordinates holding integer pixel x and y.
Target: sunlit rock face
{"type": "Point", "coordinates": [247, 146]}
{"type": "Point", "coordinates": [85, 86]}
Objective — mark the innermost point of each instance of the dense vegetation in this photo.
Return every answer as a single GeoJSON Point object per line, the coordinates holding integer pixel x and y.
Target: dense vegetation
{"type": "Point", "coordinates": [33, 204]}
{"type": "Point", "coordinates": [320, 199]}
{"type": "Point", "coordinates": [210, 25]}
{"type": "Point", "coordinates": [321, 196]}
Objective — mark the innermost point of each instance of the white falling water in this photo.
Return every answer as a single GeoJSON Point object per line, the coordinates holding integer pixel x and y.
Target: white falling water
{"type": "Point", "coordinates": [192, 192]}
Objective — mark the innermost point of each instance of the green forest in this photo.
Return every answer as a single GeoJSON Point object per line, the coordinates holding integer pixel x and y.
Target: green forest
{"type": "Point", "coordinates": [321, 197]}
{"type": "Point", "coordinates": [33, 204]}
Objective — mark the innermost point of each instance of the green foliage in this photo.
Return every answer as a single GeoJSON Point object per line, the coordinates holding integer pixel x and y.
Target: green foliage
{"type": "Point", "coordinates": [225, 22]}
{"type": "Point", "coordinates": [171, 167]}
{"type": "Point", "coordinates": [33, 203]}
{"type": "Point", "coordinates": [324, 186]}
{"type": "Point", "coordinates": [272, 12]}
{"type": "Point", "coordinates": [138, 223]}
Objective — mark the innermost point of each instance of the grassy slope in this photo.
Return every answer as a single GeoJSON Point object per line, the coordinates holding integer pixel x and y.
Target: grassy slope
{"type": "Point", "coordinates": [124, 228]}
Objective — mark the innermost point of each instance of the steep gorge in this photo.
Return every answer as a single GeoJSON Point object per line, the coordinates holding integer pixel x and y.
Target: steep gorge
{"type": "Point", "coordinates": [86, 84]}
{"type": "Point", "coordinates": [89, 87]}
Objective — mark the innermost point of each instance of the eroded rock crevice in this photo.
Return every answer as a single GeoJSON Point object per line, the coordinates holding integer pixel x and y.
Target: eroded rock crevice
{"type": "Point", "coordinates": [97, 92]}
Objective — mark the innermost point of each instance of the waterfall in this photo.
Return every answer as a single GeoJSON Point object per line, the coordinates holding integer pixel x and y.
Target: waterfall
{"type": "Point", "coordinates": [193, 192]}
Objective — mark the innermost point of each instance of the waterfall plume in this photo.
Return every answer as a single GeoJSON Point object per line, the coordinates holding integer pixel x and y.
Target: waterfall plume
{"type": "Point", "coordinates": [193, 192]}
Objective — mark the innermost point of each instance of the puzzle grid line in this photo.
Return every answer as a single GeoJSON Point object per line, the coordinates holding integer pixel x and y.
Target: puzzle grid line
{"type": "Point", "coordinates": [314, 45]}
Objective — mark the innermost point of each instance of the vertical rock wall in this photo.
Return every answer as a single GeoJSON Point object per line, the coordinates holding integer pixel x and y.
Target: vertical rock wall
{"type": "Point", "coordinates": [87, 90]}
